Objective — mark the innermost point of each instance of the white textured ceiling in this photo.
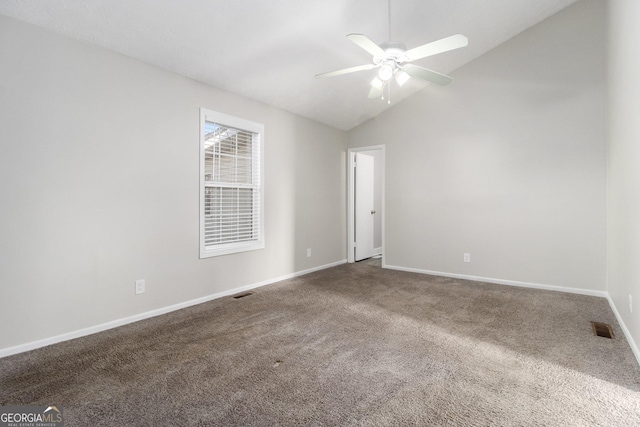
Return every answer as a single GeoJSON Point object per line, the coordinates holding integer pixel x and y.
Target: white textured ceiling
{"type": "Point", "coordinates": [270, 50]}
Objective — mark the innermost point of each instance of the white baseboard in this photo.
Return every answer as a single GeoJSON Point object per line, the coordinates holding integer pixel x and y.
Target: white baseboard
{"type": "Point", "coordinates": [580, 291]}
{"type": "Point", "coordinates": [9, 351]}
{"type": "Point", "coordinates": [627, 334]}
{"type": "Point", "coordinates": [377, 251]}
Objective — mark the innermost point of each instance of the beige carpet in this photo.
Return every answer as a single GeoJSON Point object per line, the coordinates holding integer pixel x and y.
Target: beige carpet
{"type": "Point", "coordinates": [352, 345]}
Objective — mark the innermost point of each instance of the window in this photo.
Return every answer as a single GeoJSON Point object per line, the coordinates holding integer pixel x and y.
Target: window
{"type": "Point", "coordinates": [231, 184]}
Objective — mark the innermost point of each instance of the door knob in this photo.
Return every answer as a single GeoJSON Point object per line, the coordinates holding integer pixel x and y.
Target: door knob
{"type": "Point", "coordinates": [372, 212]}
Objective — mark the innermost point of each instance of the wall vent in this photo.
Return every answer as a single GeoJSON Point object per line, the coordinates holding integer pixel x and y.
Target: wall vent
{"type": "Point", "coordinates": [602, 330]}
{"type": "Point", "coordinates": [246, 294]}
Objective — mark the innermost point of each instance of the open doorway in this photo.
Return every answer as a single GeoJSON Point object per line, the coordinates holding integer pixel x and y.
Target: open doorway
{"type": "Point", "coordinates": [365, 228]}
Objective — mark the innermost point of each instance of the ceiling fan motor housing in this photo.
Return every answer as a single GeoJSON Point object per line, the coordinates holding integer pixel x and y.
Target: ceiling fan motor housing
{"type": "Point", "coordinates": [392, 51]}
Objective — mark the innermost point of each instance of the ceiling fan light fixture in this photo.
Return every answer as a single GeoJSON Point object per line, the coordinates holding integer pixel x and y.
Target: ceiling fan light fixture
{"type": "Point", "coordinates": [401, 77]}
{"type": "Point", "coordinates": [377, 83]}
{"type": "Point", "coordinates": [386, 72]}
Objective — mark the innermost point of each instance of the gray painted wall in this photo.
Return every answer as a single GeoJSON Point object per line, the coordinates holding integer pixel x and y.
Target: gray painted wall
{"type": "Point", "coordinates": [623, 162]}
{"type": "Point", "coordinates": [507, 163]}
{"type": "Point", "coordinates": [99, 172]}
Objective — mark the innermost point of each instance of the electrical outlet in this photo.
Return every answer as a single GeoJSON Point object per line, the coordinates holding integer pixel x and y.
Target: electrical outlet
{"type": "Point", "coordinates": [139, 286]}
{"type": "Point", "coordinates": [308, 252]}
{"type": "Point", "coordinates": [467, 257]}
{"type": "Point", "coordinates": [630, 304]}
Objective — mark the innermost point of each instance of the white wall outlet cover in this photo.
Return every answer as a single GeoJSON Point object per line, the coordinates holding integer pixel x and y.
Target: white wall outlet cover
{"type": "Point", "coordinates": [308, 252]}
{"type": "Point", "coordinates": [140, 285]}
{"type": "Point", "coordinates": [467, 257]}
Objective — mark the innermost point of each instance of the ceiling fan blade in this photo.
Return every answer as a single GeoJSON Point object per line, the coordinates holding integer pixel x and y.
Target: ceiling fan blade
{"type": "Point", "coordinates": [346, 71]}
{"type": "Point", "coordinates": [365, 43]}
{"type": "Point", "coordinates": [427, 75]}
{"type": "Point", "coordinates": [443, 45]}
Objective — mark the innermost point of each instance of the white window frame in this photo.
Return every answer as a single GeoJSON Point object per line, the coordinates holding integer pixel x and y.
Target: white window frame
{"type": "Point", "coordinates": [243, 124]}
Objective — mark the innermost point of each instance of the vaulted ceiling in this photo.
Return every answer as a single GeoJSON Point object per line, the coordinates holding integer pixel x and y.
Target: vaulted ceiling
{"type": "Point", "coordinates": [270, 51]}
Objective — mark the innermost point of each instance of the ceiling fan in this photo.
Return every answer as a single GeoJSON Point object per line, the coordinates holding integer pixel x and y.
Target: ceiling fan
{"type": "Point", "coordinates": [394, 60]}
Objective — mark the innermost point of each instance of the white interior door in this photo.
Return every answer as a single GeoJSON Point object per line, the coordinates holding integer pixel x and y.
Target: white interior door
{"type": "Point", "coordinates": [364, 212]}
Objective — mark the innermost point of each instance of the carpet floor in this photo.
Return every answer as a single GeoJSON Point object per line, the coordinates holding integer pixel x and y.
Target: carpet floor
{"type": "Point", "coordinates": [354, 345]}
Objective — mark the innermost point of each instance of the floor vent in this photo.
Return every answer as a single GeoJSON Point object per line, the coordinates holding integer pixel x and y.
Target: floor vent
{"type": "Point", "coordinates": [246, 294]}
{"type": "Point", "coordinates": [602, 330]}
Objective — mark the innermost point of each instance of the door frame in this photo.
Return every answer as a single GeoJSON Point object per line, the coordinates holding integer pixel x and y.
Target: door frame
{"type": "Point", "coordinates": [351, 198]}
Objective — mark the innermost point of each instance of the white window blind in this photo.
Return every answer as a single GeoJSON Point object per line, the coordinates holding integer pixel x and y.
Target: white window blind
{"type": "Point", "coordinates": [231, 185]}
